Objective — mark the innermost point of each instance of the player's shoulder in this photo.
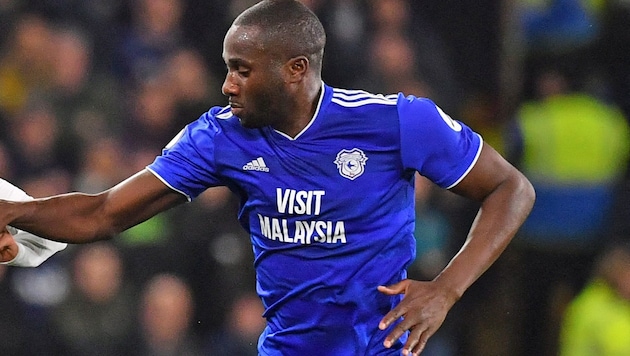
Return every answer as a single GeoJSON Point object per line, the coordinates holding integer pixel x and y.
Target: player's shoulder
{"type": "Point", "coordinates": [414, 110]}
{"type": "Point", "coordinates": [219, 115]}
{"type": "Point", "coordinates": [356, 98]}
{"type": "Point", "coordinates": [214, 119]}
{"type": "Point", "coordinates": [417, 104]}
{"type": "Point", "coordinates": [360, 99]}
{"type": "Point", "coordinates": [220, 112]}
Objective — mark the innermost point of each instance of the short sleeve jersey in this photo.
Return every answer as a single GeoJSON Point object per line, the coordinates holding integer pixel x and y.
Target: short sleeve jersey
{"type": "Point", "coordinates": [330, 212]}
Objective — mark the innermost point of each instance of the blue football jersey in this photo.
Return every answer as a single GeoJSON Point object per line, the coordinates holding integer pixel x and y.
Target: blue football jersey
{"type": "Point", "coordinates": [330, 212]}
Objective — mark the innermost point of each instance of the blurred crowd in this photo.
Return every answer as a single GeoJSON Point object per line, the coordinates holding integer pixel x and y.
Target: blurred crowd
{"type": "Point", "coordinates": [92, 90]}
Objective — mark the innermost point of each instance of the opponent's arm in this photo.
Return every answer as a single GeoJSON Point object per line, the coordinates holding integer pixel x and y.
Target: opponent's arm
{"type": "Point", "coordinates": [23, 249]}
{"type": "Point", "coordinates": [506, 198]}
{"type": "Point", "coordinates": [82, 218]}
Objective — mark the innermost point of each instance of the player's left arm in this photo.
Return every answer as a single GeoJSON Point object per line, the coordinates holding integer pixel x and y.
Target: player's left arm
{"type": "Point", "coordinates": [506, 198]}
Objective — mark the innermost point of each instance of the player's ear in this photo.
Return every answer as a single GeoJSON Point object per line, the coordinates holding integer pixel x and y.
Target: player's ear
{"type": "Point", "coordinates": [297, 66]}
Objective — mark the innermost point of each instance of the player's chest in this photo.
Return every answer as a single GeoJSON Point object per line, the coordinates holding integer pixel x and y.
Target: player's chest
{"type": "Point", "coordinates": [303, 171]}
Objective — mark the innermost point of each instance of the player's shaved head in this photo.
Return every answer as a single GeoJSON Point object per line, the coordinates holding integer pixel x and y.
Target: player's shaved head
{"type": "Point", "coordinates": [288, 28]}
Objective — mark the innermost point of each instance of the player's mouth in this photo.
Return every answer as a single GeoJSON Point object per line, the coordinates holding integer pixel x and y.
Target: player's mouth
{"type": "Point", "coordinates": [235, 108]}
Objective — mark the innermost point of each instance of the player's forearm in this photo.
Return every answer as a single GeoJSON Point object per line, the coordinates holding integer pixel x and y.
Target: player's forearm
{"type": "Point", "coordinates": [81, 218]}
{"type": "Point", "coordinates": [72, 218]}
{"type": "Point", "coordinates": [498, 220]}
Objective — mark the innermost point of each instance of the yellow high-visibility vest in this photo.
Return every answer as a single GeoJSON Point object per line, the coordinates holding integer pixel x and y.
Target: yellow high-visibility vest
{"type": "Point", "coordinates": [573, 139]}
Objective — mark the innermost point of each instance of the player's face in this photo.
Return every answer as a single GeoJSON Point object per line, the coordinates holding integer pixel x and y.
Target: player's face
{"type": "Point", "coordinates": [254, 82]}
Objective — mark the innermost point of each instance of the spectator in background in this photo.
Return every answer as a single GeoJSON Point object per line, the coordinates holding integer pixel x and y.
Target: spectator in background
{"type": "Point", "coordinates": [12, 318]}
{"type": "Point", "coordinates": [98, 315]}
{"type": "Point", "coordinates": [205, 20]}
{"type": "Point", "coordinates": [565, 30]}
{"type": "Point", "coordinates": [103, 19]}
{"type": "Point", "coordinates": [155, 32]}
{"type": "Point", "coordinates": [388, 22]}
{"type": "Point", "coordinates": [398, 62]}
{"type": "Point", "coordinates": [80, 93]}
{"type": "Point", "coordinates": [36, 143]}
{"type": "Point", "coordinates": [614, 54]}
{"type": "Point", "coordinates": [152, 120]}
{"type": "Point", "coordinates": [103, 163]}
{"type": "Point", "coordinates": [240, 332]}
{"type": "Point", "coordinates": [6, 164]}
{"type": "Point", "coordinates": [191, 83]}
{"type": "Point", "coordinates": [615, 43]}
{"type": "Point", "coordinates": [148, 248]}
{"type": "Point", "coordinates": [346, 24]}
{"type": "Point", "coordinates": [52, 181]}
{"type": "Point", "coordinates": [25, 66]}
{"type": "Point", "coordinates": [107, 161]}
{"type": "Point", "coordinates": [9, 10]}
{"type": "Point", "coordinates": [166, 315]}
{"type": "Point", "coordinates": [597, 322]}
{"type": "Point", "coordinates": [574, 149]}
{"type": "Point", "coordinates": [163, 103]}
{"type": "Point", "coordinates": [213, 246]}
{"type": "Point", "coordinates": [40, 290]}
{"type": "Point", "coordinates": [559, 25]}
{"type": "Point", "coordinates": [37, 291]}
{"type": "Point", "coordinates": [392, 66]}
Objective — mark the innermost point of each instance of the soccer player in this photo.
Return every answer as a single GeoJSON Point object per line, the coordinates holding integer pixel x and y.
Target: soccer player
{"type": "Point", "coordinates": [325, 177]}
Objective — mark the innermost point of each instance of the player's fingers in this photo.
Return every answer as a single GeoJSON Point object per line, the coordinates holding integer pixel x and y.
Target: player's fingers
{"type": "Point", "coordinates": [419, 348]}
{"type": "Point", "coordinates": [397, 288]}
{"type": "Point", "coordinates": [416, 341]}
{"type": "Point", "coordinates": [394, 335]}
{"type": "Point", "coordinates": [393, 315]}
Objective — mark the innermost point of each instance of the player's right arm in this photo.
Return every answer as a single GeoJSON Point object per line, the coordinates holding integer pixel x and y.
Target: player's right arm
{"type": "Point", "coordinates": [83, 218]}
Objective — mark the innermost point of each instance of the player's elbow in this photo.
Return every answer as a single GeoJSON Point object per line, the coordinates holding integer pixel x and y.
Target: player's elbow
{"type": "Point", "coordinates": [526, 192]}
{"type": "Point", "coordinates": [523, 194]}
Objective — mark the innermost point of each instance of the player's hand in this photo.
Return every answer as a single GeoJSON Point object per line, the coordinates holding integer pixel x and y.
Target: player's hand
{"type": "Point", "coordinates": [423, 310]}
{"type": "Point", "coordinates": [8, 246]}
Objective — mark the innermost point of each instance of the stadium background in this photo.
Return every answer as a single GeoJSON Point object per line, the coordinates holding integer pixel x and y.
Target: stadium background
{"type": "Point", "coordinates": [91, 90]}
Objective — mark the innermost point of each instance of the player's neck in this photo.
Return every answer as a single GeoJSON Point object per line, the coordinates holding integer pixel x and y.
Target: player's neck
{"type": "Point", "coordinates": [300, 112]}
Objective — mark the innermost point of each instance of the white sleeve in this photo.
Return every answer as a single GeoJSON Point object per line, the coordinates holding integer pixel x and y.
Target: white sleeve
{"type": "Point", "coordinates": [32, 249]}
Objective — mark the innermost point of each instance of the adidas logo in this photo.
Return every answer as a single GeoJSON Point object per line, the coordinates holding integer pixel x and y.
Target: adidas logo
{"type": "Point", "coordinates": [256, 165]}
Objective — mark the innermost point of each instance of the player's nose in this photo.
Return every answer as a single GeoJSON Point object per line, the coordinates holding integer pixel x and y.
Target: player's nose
{"type": "Point", "coordinates": [229, 87]}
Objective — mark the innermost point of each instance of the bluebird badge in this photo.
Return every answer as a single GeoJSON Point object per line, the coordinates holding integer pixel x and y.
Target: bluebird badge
{"type": "Point", "coordinates": [351, 163]}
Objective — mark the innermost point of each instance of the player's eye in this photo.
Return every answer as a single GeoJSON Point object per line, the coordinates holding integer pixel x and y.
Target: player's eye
{"type": "Point", "coordinates": [240, 69]}
{"type": "Point", "coordinates": [244, 72]}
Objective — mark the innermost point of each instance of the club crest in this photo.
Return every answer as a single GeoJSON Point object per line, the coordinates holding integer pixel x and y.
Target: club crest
{"type": "Point", "coordinates": [351, 163]}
